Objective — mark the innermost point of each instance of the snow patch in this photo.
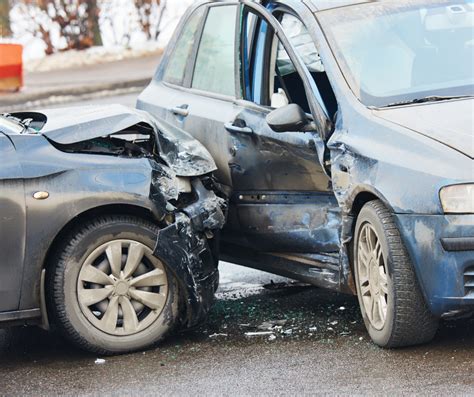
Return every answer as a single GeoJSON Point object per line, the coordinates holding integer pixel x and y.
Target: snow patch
{"type": "Point", "coordinates": [119, 25]}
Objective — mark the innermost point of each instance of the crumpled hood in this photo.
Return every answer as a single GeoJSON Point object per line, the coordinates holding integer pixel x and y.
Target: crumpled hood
{"type": "Point", "coordinates": [181, 152]}
{"type": "Point", "coordinates": [448, 122]}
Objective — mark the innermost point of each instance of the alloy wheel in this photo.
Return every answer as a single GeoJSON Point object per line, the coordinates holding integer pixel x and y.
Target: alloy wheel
{"type": "Point", "coordinates": [372, 273]}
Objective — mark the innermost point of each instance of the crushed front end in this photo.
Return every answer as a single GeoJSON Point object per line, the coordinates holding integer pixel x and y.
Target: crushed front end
{"type": "Point", "coordinates": [188, 245]}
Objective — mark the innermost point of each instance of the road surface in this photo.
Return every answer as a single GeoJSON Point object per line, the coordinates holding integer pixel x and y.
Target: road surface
{"type": "Point", "coordinates": [317, 345]}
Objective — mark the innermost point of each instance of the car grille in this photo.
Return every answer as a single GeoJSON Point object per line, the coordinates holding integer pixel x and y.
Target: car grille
{"type": "Point", "coordinates": [469, 281]}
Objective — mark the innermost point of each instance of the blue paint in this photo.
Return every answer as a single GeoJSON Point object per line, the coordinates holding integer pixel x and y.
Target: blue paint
{"type": "Point", "coordinates": [440, 273]}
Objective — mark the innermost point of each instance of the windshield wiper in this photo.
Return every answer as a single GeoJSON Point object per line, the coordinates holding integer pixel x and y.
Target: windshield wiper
{"type": "Point", "coordinates": [432, 98]}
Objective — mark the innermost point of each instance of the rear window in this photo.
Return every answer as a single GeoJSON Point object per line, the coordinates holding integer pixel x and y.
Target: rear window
{"type": "Point", "coordinates": [176, 68]}
{"type": "Point", "coordinates": [215, 63]}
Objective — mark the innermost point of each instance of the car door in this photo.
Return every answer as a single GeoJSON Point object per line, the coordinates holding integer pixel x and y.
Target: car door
{"type": "Point", "coordinates": [12, 226]}
{"type": "Point", "coordinates": [282, 194]}
{"type": "Point", "coordinates": [282, 198]}
{"type": "Point", "coordinates": [195, 88]}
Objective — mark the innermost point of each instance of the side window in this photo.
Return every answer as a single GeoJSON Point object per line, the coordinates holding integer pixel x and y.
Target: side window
{"type": "Point", "coordinates": [272, 79]}
{"type": "Point", "coordinates": [176, 68]}
{"type": "Point", "coordinates": [303, 43]}
{"type": "Point", "coordinates": [286, 85]}
{"type": "Point", "coordinates": [215, 63]}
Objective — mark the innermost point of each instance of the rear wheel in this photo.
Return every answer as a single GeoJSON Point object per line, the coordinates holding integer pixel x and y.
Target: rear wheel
{"type": "Point", "coordinates": [392, 304]}
{"type": "Point", "coordinates": [108, 293]}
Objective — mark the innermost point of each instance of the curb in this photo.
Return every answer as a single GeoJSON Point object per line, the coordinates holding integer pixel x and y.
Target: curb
{"type": "Point", "coordinates": [14, 100]}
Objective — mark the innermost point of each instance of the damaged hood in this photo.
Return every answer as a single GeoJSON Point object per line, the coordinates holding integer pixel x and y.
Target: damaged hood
{"type": "Point", "coordinates": [448, 122]}
{"type": "Point", "coordinates": [179, 150]}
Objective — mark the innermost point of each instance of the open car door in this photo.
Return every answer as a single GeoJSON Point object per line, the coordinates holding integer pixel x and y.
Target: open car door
{"type": "Point", "coordinates": [288, 215]}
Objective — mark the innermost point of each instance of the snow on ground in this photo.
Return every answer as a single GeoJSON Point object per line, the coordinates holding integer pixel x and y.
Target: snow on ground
{"type": "Point", "coordinates": [91, 56]}
{"type": "Point", "coordinates": [121, 35]}
{"type": "Point", "coordinates": [237, 282]}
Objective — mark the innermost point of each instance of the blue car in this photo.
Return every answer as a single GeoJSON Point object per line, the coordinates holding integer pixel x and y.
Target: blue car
{"type": "Point", "coordinates": [343, 135]}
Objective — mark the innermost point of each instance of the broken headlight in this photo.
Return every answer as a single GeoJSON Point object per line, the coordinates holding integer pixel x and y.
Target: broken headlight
{"type": "Point", "coordinates": [457, 199]}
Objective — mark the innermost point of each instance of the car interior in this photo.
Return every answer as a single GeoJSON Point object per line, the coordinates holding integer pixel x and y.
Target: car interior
{"type": "Point", "coordinates": [282, 84]}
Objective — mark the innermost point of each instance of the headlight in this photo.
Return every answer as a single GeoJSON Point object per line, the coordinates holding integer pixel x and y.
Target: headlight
{"type": "Point", "coordinates": [457, 199]}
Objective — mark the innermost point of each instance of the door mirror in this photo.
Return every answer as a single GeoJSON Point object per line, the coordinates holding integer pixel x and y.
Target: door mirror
{"type": "Point", "coordinates": [288, 118]}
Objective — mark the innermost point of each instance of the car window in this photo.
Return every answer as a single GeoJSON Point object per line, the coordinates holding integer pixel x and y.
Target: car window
{"type": "Point", "coordinates": [303, 43]}
{"type": "Point", "coordinates": [286, 85]}
{"type": "Point", "coordinates": [176, 68]}
{"type": "Point", "coordinates": [392, 52]}
{"type": "Point", "coordinates": [273, 80]}
{"type": "Point", "coordinates": [215, 62]}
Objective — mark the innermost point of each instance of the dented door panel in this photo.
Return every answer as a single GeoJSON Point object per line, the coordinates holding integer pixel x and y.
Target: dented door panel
{"type": "Point", "coordinates": [266, 160]}
{"type": "Point", "coordinates": [281, 194]}
{"type": "Point", "coordinates": [290, 221]}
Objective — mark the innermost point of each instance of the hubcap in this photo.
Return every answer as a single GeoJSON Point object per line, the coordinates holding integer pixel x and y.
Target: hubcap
{"type": "Point", "coordinates": [373, 284]}
{"type": "Point", "coordinates": [122, 288]}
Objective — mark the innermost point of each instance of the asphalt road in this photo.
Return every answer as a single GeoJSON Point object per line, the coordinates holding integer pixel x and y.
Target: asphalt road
{"type": "Point", "coordinates": [317, 345]}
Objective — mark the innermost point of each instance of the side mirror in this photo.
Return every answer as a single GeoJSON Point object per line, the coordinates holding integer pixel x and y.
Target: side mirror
{"type": "Point", "coordinates": [288, 118]}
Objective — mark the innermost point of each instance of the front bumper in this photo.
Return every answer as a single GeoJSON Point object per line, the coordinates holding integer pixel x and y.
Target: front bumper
{"type": "Point", "coordinates": [183, 246]}
{"type": "Point", "coordinates": [442, 251]}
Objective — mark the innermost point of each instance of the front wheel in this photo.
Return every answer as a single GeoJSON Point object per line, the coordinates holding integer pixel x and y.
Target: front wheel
{"type": "Point", "coordinates": [392, 304]}
{"type": "Point", "coordinates": [107, 292]}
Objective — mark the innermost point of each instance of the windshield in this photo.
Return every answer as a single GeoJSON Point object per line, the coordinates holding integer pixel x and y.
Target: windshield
{"type": "Point", "coordinates": [393, 52]}
{"type": "Point", "coordinates": [8, 126]}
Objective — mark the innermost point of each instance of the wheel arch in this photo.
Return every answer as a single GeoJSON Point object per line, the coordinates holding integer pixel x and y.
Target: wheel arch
{"type": "Point", "coordinates": [82, 217]}
{"type": "Point", "coordinates": [360, 196]}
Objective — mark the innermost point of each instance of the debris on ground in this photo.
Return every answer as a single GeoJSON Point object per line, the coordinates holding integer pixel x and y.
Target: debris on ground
{"type": "Point", "coordinates": [280, 285]}
{"type": "Point", "coordinates": [261, 333]}
{"type": "Point", "coordinates": [270, 325]}
{"type": "Point", "coordinates": [217, 335]}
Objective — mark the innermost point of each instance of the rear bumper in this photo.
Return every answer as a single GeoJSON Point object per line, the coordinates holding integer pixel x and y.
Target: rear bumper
{"type": "Point", "coordinates": [442, 250]}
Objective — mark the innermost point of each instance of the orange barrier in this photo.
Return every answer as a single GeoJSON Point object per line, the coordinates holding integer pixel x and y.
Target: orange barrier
{"type": "Point", "coordinates": [11, 67]}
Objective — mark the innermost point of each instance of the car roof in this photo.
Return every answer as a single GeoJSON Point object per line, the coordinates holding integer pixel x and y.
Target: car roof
{"type": "Point", "coordinates": [321, 5]}
{"type": "Point", "coordinates": [315, 5]}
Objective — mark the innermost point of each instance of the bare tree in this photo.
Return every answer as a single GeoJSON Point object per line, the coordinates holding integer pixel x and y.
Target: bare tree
{"type": "Point", "coordinates": [150, 15]}
{"type": "Point", "coordinates": [5, 29]}
{"type": "Point", "coordinates": [78, 22]}
{"type": "Point", "coordinates": [93, 13]}
{"type": "Point", "coordinates": [163, 4]}
{"type": "Point", "coordinates": [39, 23]}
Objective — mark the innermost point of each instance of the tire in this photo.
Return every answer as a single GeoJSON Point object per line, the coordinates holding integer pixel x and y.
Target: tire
{"type": "Point", "coordinates": [110, 259]}
{"type": "Point", "coordinates": [392, 305]}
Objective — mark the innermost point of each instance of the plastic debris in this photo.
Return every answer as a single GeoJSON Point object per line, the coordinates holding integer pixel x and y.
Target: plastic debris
{"type": "Point", "coordinates": [263, 333]}
{"type": "Point", "coordinates": [272, 324]}
{"type": "Point", "coordinates": [217, 335]}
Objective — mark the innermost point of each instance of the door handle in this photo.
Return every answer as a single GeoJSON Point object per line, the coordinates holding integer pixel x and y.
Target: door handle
{"type": "Point", "coordinates": [180, 110]}
{"type": "Point", "coordinates": [240, 130]}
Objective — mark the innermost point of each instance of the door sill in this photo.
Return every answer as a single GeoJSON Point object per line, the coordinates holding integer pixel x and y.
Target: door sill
{"type": "Point", "coordinates": [20, 317]}
{"type": "Point", "coordinates": [321, 270]}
